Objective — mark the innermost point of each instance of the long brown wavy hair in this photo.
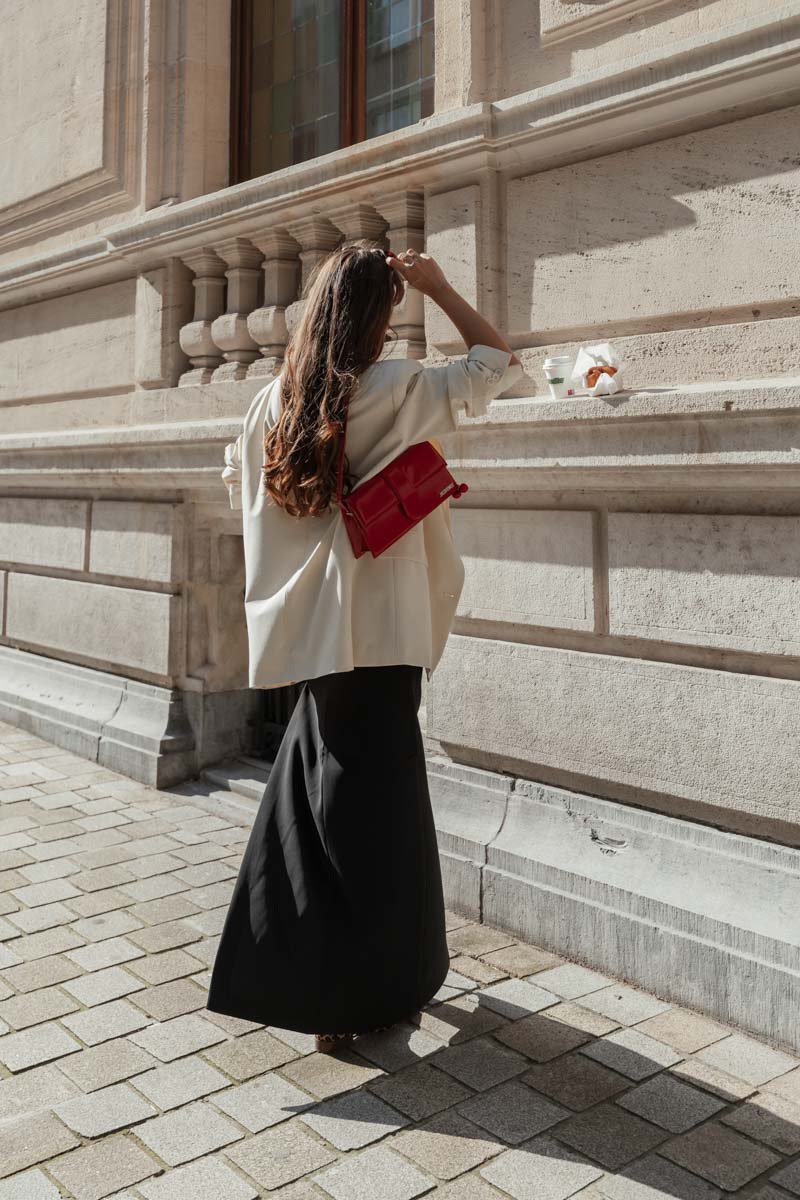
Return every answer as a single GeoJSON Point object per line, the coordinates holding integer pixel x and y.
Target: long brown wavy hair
{"type": "Point", "coordinates": [348, 305]}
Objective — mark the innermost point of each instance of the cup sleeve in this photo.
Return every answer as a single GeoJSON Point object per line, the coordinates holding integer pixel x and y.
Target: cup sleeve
{"type": "Point", "coordinates": [431, 398]}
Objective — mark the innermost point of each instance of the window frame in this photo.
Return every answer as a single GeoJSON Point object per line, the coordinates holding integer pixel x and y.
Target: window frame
{"type": "Point", "coordinates": [353, 88]}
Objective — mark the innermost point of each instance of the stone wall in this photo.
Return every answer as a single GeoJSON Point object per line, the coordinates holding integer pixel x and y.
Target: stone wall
{"type": "Point", "coordinates": [627, 636]}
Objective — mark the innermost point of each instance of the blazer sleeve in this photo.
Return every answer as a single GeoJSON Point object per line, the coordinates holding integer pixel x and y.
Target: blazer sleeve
{"type": "Point", "coordinates": [430, 398]}
{"type": "Point", "coordinates": [232, 473]}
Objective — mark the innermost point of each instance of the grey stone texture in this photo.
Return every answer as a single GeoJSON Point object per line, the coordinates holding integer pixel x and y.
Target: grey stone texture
{"type": "Point", "coordinates": [109, 1102]}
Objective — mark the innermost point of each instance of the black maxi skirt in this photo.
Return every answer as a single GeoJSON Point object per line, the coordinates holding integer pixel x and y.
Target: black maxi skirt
{"type": "Point", "coordinates": [336, 923]}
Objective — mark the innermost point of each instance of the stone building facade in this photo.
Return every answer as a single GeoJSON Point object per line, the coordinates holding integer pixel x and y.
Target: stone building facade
{"type": "Point", "coordinates": [614, 727]}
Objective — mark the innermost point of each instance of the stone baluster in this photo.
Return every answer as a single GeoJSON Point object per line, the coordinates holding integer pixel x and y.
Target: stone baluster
{"type": "Point", "coordinates": [209, 301]}
{"type": "Point", "coordinates": [316, 237]}
{"type": "Point", "coordinates": [229, 331]}
{"type": "Point", "coordinates": [405, 214]}
{"type": "Point", "coordinates": [357, 220]}
{"type": "Point", "coordinates": [267, 325]}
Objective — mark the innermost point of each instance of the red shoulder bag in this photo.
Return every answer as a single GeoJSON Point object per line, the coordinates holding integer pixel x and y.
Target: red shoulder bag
{"type": "Point", "coordinates": [377, 513]}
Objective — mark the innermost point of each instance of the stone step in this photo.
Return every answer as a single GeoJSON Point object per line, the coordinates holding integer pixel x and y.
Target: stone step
{"type": "Point", "coordinates": [246, 777]}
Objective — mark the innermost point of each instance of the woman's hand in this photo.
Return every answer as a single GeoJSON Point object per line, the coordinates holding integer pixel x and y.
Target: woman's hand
{"type": "Point", "coordinates": [420, 271]}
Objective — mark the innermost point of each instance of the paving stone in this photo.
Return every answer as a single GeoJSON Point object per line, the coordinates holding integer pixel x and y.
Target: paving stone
{"type": "Point", "coordinates": [747, 1059]}
{"type": "Point", "coordinates": [163, 968]}
{"type": "Point", "coordinates": [36, 1045]}
{"type": "Point", "coordinates": [570, 981]}
{"type": "Point", "coordinates": [173, 999]}
{"type": "Point", "coordinates": [169, 1040]}
{"type": "Point", "coordinates": [278, 1156]}
{"type": "Point", "coordinates": [105, 1021]}
{"type": "Point", "coordinates": [769, 1119]}
{"type": "Point", "coordinates": [397, 1047]}
{"type": "Point", "coordinates": [654, 1178]}
{"type": "Point", "coordinates": [180, 1082]}
{"type": "Point", "coordinates": [575, 1081]}
{"type": "Point", "coordinates": [153, 887]}
{"type": "Point", "coordinates": [165, 936]}
{"type": "Point", "coordinates": [40, 973]}
{"type": "Point", "coordinates": [98, 987]}
{"type": "Point", "coordinates": [30, 1185]}
{"type": "Point", "coordinates": [467, 1187]}
{"type": "Point", "coordinates": [48, 941]}
{"type": "Point", "coordinates": [110, 1062]}
{"type": "Point", "coordinates": [460, 1019]}
{"type": "Point", "coordinates": [481, 1063]}
{"type": "Point", "coordinates": [106, 924]}
{"type": "Point", "coordinates": [209, 923]}
{"type": "Point", "coordinates": [187, 1133]}
{"type": "Point", "coordinates": [539, 1038]}
{"type": "Point", "coordinates": [622, 1004]}
{"type": "Point", "coordinates": [477, 969]}
{"type": "Point", "coordinates": [541, 1170]}
{"type": "Point", "coordinates": [631, 1053]}
{"type": "Point", "coordinates": [243, 1057]}
{"type": "Point", "coordinates": [353, 1120]}
{"type": "Point", "coordinates": [419, 1091]}
{"type": "Point", "coordinates": [321, 1075]}
{"type": "Point", "coordinates": [102, 877]}
{"type": "Point", "coordinates": [570, 1013]}
{"type": "Point", "coordinates": [787, 1086]}
{"type": "Point", "coordinates": [32, 1139]}
{"type": "Point", "coordinates": [609, 1135]}
{"type": "Point", "coordinates": [262, 1102]}
{"type": "Point", "coordinates": [789, 1178]}
{"type": "Point", "coordinates": [683, 1030]}
{"type": "Point", "coordinates": [446, 1145]}
{"type": "Point", "coordinates": [95, 904]}
{"type": "Point", "coordinates": [108, 953]}
{"type": "Point", "coordinates": [34, 920]}
{"type": "Point", "coordinates": [172, 908]}
{"type": "Point", "coordinates": [513, 1112]}
{"type": "Point", "coordinates": [475, 940]}
{"type": "Point", "coordinates": [154, 864]}
{"type": "Point", "coordinates": [95, 1171]}
{"type": "Point", "coordinates": [727, 1087]}
{"type": "Point", "coordinates": [103, 1111]}
{"type": "Point", "coordinates": [372, 1174]}
{"type": "Point", "coordinates": [514, 998]}
{"type": "Point", "coordinates": [206, 1179]}
{"type": "Point", "coordinates": [38, 1088]}
{"type": "Point", "coordinates": [31, 1009]}
{"type": "Point", "coordinates": [719, 1155]}
{"type": "Point", "coordinates": [668, 1102]}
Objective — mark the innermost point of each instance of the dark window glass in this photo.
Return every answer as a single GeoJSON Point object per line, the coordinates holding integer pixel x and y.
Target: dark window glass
{"type": "Point", "coordinates": [315, 75]}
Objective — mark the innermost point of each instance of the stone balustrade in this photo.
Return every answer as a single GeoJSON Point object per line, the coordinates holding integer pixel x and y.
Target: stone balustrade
{"type": "Point", "coordinates": [248, 291]}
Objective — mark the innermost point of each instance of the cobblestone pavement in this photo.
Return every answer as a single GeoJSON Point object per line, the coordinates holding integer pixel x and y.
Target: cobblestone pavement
{"type": "Point", "coordinates": [528, 1077]}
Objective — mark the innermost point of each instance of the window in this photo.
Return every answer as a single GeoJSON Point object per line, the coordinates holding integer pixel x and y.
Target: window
{"type": "Point", "coordinates": [313, 75]}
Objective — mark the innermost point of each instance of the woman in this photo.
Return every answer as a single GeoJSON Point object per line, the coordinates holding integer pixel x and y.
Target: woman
{"type": "Point", "coordinates": [336, 922]}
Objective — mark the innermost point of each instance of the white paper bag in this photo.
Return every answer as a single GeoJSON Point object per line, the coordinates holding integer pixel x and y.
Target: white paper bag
{"type": "Point", "coordinates": [600, 355]}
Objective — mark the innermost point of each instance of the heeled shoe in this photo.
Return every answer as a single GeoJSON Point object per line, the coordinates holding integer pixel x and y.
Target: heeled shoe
{"type": "Point", "coordinates": [325, 1043]}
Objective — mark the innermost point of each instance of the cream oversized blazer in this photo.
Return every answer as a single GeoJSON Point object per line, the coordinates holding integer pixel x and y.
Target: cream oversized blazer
{"type": "Point", "coordinates": [311, 607]}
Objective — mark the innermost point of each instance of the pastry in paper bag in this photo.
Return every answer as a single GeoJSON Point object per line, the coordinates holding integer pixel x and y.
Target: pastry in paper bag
{"type": "Point", "coordinates": [598, 369]}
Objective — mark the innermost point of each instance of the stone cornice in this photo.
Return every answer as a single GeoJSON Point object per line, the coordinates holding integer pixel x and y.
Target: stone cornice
{"type": "Point", "coordinates": [743, 68]}
{"type": "Point", "coordinates": [744, 434]}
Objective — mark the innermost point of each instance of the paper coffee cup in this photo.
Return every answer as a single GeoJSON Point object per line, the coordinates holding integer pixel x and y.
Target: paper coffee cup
{"type": "Point", "coordinates": [557, 370]}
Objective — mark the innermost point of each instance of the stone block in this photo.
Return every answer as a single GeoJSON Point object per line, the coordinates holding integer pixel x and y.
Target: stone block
{"type": "Point", "coordinates": [542, 1168]}
{"type": "Point", "coordinates": [714, 737]}
{"type": "Point", "coordinates": [41, 532]}
{"type": "Point", "coordinates": [631, 1053]}
{"type": "Point", "coordinates": [113, 625]}
{"type": "Point", "coordinates": [375, 1174]}
{"type": "Point", "coordinates": [721, 1156]}
{"type": "Point", "coordinates": [649, 245]}
{"type": "Point", "coordinates": [354, 1120]}
{"type": "Point", "coordinates": [278, 1156]}
{"type": "Point", "coordinates": [706, 580]}
{"type": "Point", "coordinates": [136, 540]}
{"type": "Point", "coordinates": [81, 342]}
{"type": "Point", "coordinates": [188, 1132]}
{"type": "Point", "coordinates": [526, 567]}
{"type": "Point", "coordinates": [452, 237]}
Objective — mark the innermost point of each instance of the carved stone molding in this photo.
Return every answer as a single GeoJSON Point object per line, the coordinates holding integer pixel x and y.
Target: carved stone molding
{"type": "Point", "coordinates": [229, 330]}
{"type": "Point", "coordinates": [111, 184]}
{"type": "Point", "coordinates": [562, 19]}
{"type": "Point", "coordinates": [209, 302]}
{"type": "Point", "coordinates": [267, 324]}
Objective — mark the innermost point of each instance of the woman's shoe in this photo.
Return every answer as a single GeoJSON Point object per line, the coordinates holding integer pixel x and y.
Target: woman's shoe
{"type": "Point", "coordinates": [328, 1042]}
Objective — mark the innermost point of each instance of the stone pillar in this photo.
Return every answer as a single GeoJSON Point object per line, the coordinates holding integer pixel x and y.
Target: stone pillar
{"type": "Point", "coordinates": [316, 237]}
{"type": "Point", "coordinates": [357, 220]}
{"type": "Point", "coordinates": [229, 330]}
{"type": "Point", "coordinates": [209, 301]}
{"type": "Point", "coordinates": [267, 325]}
{"type": "Point", "coordinates": [405, 214]}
